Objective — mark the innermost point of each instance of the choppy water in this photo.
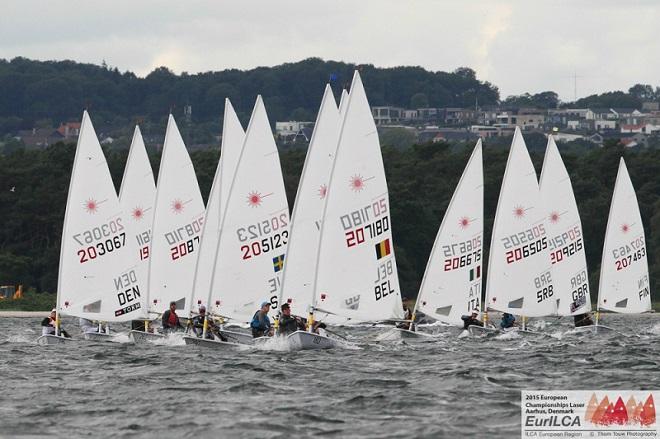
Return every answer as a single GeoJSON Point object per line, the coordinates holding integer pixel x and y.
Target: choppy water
{"type": "Point", "coordinates": [452, 386]}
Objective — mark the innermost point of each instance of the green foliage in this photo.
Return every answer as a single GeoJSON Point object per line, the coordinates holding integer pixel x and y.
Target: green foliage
{"type": "Point", "coordinates": [546, 99]}
{"type": "Point", "coordinates": [421, 182]}
{"type": "Point", "coordinates": [55, 91]}
{"type": "Point", "coordinates": [612, 99]}
{"type": "Point", "coordinates": [419, 100]}
{"type": "Point", "coordinates": [400, 138]}
{"type": "Point", "coordinates": [31, 301]}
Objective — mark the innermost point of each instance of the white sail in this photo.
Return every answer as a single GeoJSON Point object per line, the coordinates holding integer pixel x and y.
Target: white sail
{"type": "Point", "coordinates": [357, 275]}
{"type": "Point", "coordinates": [624, 272]}
{"type": "Point", "coordinates": [519, 269]}
{"type": "Point", "coordinates": [302, 251]}
{"type": "Point", "coordinates": [451, 286]}
{"type": "Point", "coordinates": [565, 239]}
{"type": "Point", "coordinates": [99, 277]}
{"type": "Point", "coordinates": [136, 198]}
{"type": "Point", "coordinates": [342, 103]}
{"type": "Point", "coordinates": [254, 229]}
{"type": "Point", "coordinates": [177, 226]}
{"type": "Point", "coordinates": [232, 143]}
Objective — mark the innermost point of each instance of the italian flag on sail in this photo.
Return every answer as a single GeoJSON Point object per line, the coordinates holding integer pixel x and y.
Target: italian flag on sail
{"type": "Point", "coordinates": [475, 273]}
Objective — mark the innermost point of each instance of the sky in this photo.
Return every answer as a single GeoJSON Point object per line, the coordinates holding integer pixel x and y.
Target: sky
{"type": "Point", "coordinates": [520, 46]}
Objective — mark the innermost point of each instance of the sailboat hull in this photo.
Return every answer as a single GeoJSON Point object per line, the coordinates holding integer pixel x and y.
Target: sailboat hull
{"type": "Point", "coordinates": [212, 344]}
{"type": "Point", "coordinates": [303, 340]}
{"type": "Point", "coordinates": [45, 340]}
{"type": "Point", "coordinates": [393, 334]}
{"type": "Point", "coordinates": [481, 331]}
{"type": "Point", "coordinates": [594, 329]}
{"type": "Point", "coordinates": [144, 337]}
{"type": "Point", "coordinates": [98, 336]}
{"type": "Point", "coordinates": [237, 337]}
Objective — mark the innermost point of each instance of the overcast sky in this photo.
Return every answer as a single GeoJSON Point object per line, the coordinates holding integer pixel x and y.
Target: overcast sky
{"type": "Point", "coordinates": [520, 46]}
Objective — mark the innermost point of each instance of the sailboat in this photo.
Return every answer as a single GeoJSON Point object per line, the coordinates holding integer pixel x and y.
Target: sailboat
{"type": "Point", "coordinates": [298, 277]}
{"type": "Point", "coordinates": [624, 273]}
{"type": "Point", "coordinates": [451, 286]}
{"type": "Point", "coordinates": [520, 278]}
{"type": "Point", "coordinates": [356, 275]}
{"type": "Point", "coordinates": [98, 277]}
{"type": "Point", "coordinates": [136, 198]}
{"type": "Point", "coordinates": [233, 137]}
{"type": "Point", "coordinates": [176, 230]}
{"type": "Point", "coordinates": [254, 232]}
{"type": "Point", "coordinates": [565, 238]}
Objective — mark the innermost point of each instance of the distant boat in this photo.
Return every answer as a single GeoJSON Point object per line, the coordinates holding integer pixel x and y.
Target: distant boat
{"type": "Point", "coordinates": [565, 238]}
{"type": "Point", "coordinates": [176, 230]}
{"type": "Point", "coordinates": [99, 278]}
{"type": "Point", "coordinates": [136, 198]}
{"type": "Point", "coordinates": [519, 269]}
{"type": "Point", "coordinates": [357, 275]}
{"type": "Point", "coordinates": [624, 273]}
{"type": "Point", "coordinates": [451, 286]}
{"type": "Point", "coordinates": [254, 232]}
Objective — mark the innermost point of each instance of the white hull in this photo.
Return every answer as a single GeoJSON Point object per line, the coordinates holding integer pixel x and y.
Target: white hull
{"type": "Point", "coordinates": [237, 337]}
{"type": "Point", "coordinates": [98, 336]}
{"type": "Point", "coordinates": [480, 330]}
{"type": "Point", "coordinates": [192, 340]}
{"type": "Point", "coordinates": [393, 334]}
{"type": "Point", "coordinates": [593, 329]}
{"type": "Point", "coordinates": [304, 340]}
{"type": "Point", "coordinates": [53, 339]}
{"type": "Point", "coordinates": [144, 337]}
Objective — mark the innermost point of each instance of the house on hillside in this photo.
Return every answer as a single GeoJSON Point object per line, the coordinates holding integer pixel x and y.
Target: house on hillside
{"type": "Point", "coordinates": [40, 137]}
{"type": "Point", "coordinates": [69, 130]}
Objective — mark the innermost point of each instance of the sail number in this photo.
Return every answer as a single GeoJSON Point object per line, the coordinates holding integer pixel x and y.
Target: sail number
{"type": "Point", "coordinates": [526, 250]}
{"type": "Point", "coordinates": [357, 236]}
{"type": "Point", "coordinates": [460, 248]}
{"type": "Point", "coordinates": [102, 248]}
{"type": "Point", "coordinates": [565, 252]}
{"type": "Point", "coordinates": [265, 227]}
{"type": "Point", "coordinates": [627, 261]}
{"type": "Point", "coordinates": [183, 249]}
{"type": "Point", "coordinates": [634, 245]}
{"type": "Point", "coordinates": [565, 237]}
{"type": "Point", "coordinates": [100, 232]}
{"type": "Point", "coordinates": [265, 245]}
{"type": "Point", "coordinates": [462, 261]}
{"type": "Point", "coordinates": [526, 236]}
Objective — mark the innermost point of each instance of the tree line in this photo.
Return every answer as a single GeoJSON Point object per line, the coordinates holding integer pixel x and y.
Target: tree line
{"type": "Point", "coordinates": [421, 181]}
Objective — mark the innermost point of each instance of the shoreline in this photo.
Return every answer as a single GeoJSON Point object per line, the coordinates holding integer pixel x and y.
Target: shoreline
{"type": "Point", "coordinates": [24, 314]}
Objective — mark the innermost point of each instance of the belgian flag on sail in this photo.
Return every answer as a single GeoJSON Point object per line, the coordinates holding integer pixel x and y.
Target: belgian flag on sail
{"type": "Point", "coordinates": [383, 249]}
{"type": "Point", "coordinates": [475, 273]}
{"type": "Point", "coordinates": [278, 263]}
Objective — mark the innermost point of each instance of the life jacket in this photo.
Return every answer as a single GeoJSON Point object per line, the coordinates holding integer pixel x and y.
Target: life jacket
{"type": "Point", "coordinates": [172, 319]}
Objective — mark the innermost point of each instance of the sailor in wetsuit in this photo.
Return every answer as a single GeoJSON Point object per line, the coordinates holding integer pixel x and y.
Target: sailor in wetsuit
{"type": "Point", "coordinates": [170, 320]}
{"type": "Point", "coordinates": [260, 323]}
{"type": "Point", "coordinates": [583, 320]}
{"type": "Point", "coordinates": [472, 319]}
{"type": "Point", "coordinates": [49, 323]}
{"type": "Point", "coordinates": [211, 328]}
{"type": "Point", "coordinates": [507, 321]}
{"type": "Point", "coordinates": [289, 324]}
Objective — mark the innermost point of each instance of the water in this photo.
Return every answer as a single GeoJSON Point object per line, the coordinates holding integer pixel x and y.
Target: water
{"type": "Point", "coordinates": [452, 386]}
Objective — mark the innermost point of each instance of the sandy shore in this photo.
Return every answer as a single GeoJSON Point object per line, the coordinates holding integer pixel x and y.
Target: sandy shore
{"type": "Point", "coordinates": [24, 313]}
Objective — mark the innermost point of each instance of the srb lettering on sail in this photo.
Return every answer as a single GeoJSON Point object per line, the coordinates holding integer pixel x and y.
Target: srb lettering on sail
{"type": "Point", "coordinates": [128, 293]}
{"type": "Point", "coordinates": [628, 254]}
{"type": "Point", "coordinates": [184, 240]}
{"type": "Point", "coordinates": [101, 240]}
{"type": "Point", "coordinates": [525, 244]}
{"type": "Point", "coordinates": [544, 288]}
{"type": "Point", "coordinates": [264, 236]}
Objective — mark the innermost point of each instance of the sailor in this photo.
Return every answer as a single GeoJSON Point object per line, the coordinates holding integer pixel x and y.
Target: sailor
{"type": "Point", "coordinates": [49, 323]}
{"type": "Point", "coordinates": [211, 328]}
{"type": "Point", "coordinates": [171, 320]}
{"type": "Point", "coordinates": [507, 321]}
{"type": "Point", "coordinates": [260, 323]}
{"type": "Point", "coordinates": [472, 319]}
{"type": "Point", "coordinates": [407, 315]}
{"type": "Point", "coordinates": [583, 320]}
{"type": "Point", "coordinates": [289, 324]}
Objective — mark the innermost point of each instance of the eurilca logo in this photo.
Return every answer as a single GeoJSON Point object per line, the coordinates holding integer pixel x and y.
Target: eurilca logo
{"type": "Point", "coordinates": [618, 413]}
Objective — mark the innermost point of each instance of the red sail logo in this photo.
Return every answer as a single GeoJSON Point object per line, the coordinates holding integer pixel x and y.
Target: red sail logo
{"type": "Point", "coordinates": [631, 413]}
